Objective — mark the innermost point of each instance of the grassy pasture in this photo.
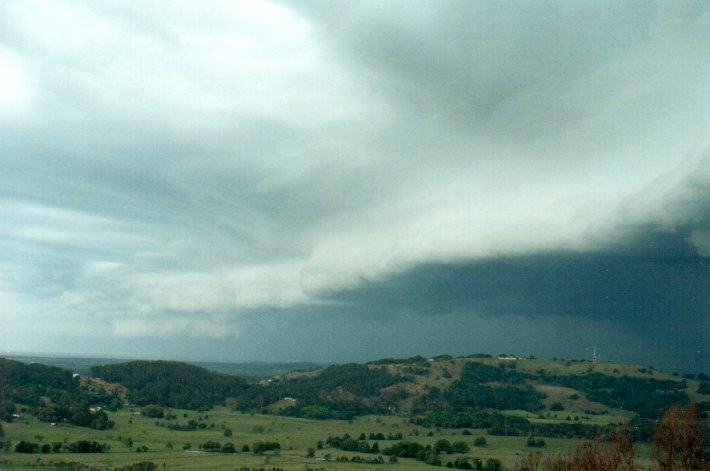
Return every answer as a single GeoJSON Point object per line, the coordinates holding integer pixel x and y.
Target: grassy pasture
{"type": "Point", "coordinates": [295, 436]}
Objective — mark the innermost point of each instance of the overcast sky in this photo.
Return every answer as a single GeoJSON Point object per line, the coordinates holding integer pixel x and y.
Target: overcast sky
{"type": "Point", "coordinates": [336, 181]}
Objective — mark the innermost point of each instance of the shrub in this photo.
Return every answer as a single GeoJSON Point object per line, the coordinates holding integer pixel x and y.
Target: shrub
{"type": "Point", "coordinates": [228, 448]}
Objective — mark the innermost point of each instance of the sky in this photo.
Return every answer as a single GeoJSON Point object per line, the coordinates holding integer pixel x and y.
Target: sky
{"type": "Point", "coordinates": [339, 181]}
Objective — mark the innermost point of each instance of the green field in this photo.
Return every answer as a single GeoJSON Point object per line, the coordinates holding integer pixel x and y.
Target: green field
{"type": "Point", "coordinates": [136, 438]}
{"type": "Point", "coordinates": [165, 447]}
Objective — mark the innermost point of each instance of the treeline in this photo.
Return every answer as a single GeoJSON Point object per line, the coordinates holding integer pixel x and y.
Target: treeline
{"type": "Point", "coordinates": [504, 425]}
{"type": "Point", "coordinates": [639, 429]}
{"type": "Point", "coordinates": [171, 384]}
{"type": "Point", "coordinates": [80, 446]}
{"type": "Point", "coordinates": [647, 397]}
{"type": "Point", "coordinates": [76, 466]}
{"type": "Point", "coordinates": [430, 454]}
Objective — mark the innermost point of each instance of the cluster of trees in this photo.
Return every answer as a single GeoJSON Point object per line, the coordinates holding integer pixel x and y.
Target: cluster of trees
{"type": "Point", "coordinates": [535, 442]}
{"type": "Point", "coordinates": [190, 426]}
{"type": "Point", "coordinates": [451, 419]}
{"type": "Point", "coordinates": [468, 396]}
{"type": "Point", "coordinates": [475, 463]}
{"type": "Point", "coordinates": [262, 447]}
{"type": "Point", "coordinates": [505, 373]}
{"type": "Point", "coordinates": [7, 410]}
{"type": "Point", "coordinates": [28, 383]}
{"type": "Point", "coordinates": [428, 454]}
{"type": "Point", "coordinates": [4, 444]}
{"type": "Point", "coordinates": [640, 429]}
{"type": "Point", "coordinates": [213, 446]}
{"type": "Point", "coordinates": [362, 445]}
{"type": "Point", "coordinates": [155, 412]}
{"type": "Point", "coordinates": [467, 402]}
{"type": "Point", "coordinates": [404, 449]}
{"type": "Point", "coordinates": [140, 466]}
{"type": "Point", "coordinates": [53, 395]}
{"type": "Point", "coordinates": [361, 459]}
{"type": "Point", "coordinates": [382, 436]}
{"type": "Point", "coordinates": [80, 446]}
{"type": "Point", "coordinates": [483, 387]}
{"type": "Point", "coordinates": [337, 409]}
{"type": "Point", "coordinates": [504, 425]}
{"type": "Point", "coordinates": [171, 384]}
{"type": "Point", "coordinates": [337, 392]}
{"type": "Point", "coordinates": [648, 397]}
{"type": "Point", "coordinates": [347, 443]}
{"type": "Point", "coordinates": [75, 414]}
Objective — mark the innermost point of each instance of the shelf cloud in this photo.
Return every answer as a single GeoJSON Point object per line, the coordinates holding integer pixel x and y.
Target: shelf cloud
{"type": "Point", "coordinates": [331, 180]}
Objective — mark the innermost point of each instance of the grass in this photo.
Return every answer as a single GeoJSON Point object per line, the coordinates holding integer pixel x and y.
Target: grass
{"type": "Point", "coordinates": [295, 436]}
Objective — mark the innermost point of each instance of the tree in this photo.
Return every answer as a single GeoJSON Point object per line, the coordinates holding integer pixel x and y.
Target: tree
{"type": "Point", "coordinates": [493, 464]}
{"type": "Point", "coordinates": [459, 447]}
{"type": "Point", "coordinates": [678, 441]}
{"type": "Point", "coordinates": [228, 448]}
{"type": "Point", "coordinates": [535, 442]}
{"type": "Point", "coordinates": [311, 453]}
{"type": "Point", "coordinates": [531, 462]}
{"type": "Point", "coordinates": [442, 446]}
{"type": "Point", "coordinates": [26, 447]}
{"type": "Point", "coordinates": [615, 454]}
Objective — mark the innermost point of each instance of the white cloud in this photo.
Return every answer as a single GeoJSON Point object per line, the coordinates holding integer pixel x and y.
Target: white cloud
{"type": "Point", "coordinates": [15, 90]}
{"type": "Point", "coordinates": [172, 327]}
{"type": "Point", "coordinates": [184, 165]}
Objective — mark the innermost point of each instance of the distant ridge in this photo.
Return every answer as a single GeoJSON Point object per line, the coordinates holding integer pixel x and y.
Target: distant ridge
{"type": "Point", "coordinates": [248, 370]}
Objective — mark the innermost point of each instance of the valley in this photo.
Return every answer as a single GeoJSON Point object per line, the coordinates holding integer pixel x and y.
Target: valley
{"type": "Point", "coordinates": [478, 411]}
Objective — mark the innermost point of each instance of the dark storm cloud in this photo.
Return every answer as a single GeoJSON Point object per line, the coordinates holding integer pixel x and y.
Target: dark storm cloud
{"type": "Point", "coordinates": [600, 286]}
{"type": "Point", "coordinates": [255, 170]}
{"type": "Point", "coordinates": [650, 275]}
